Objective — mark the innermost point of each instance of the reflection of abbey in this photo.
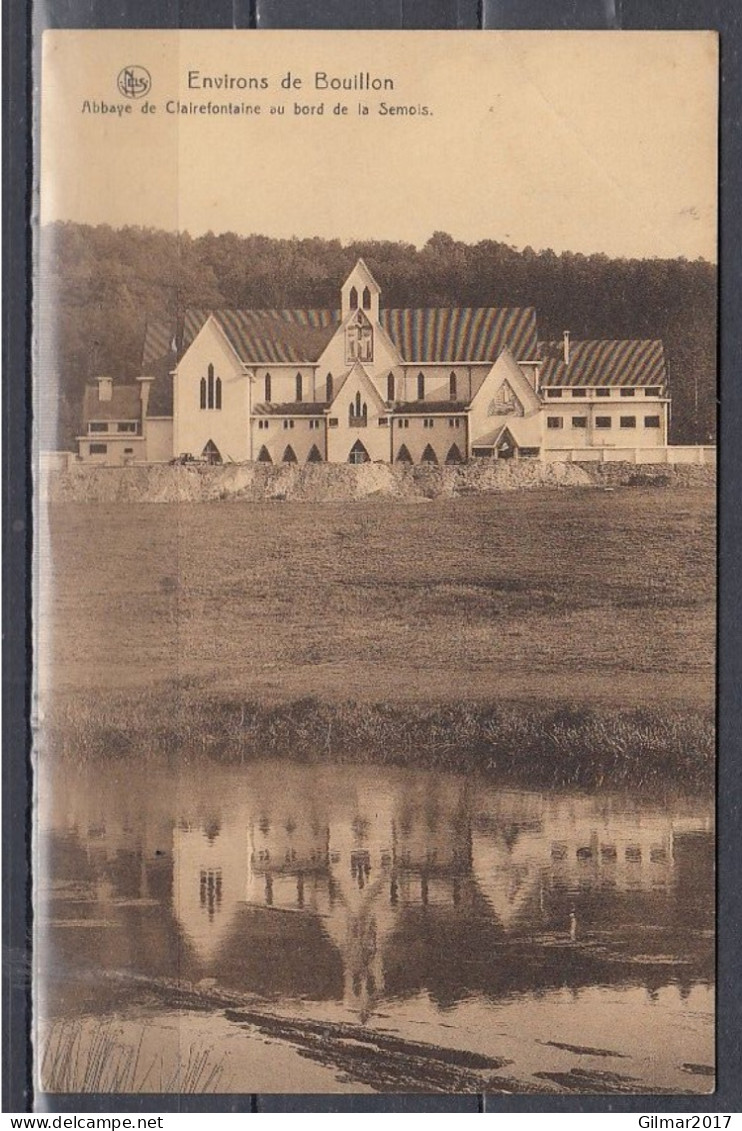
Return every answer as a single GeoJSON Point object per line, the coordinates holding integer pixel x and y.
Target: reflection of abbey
{"type": "Point", "coordinates": [367, 383]}
{"type": "Point", "coordinates": [299, 891]}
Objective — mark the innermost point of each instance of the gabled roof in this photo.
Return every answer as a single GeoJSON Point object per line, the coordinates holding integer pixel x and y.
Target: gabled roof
{"type": "Point", "coordinates": [291, 408]}
{"type": "Point", "coordinates": [265, 337]}
{"type": "Point", "coordinates": [428, 408]}
{"type": "Point", "coordinates": [451, 335]}
{"type": "Point", "coordinates": [125, 404]}
{"type": "Point", "coordinates": [456, 334]}
{"type": "Point", "coordinates": [362, 268]}
{"type": "Point", "coordinates": [600, 363]}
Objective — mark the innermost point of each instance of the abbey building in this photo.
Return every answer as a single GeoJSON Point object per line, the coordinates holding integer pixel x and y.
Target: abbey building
{"type": "Point", "coordinates": [368, 383]}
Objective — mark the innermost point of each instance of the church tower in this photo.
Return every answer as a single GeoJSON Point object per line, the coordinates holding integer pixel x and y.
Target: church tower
{"type": "Point", "coordinates": [360, 291]}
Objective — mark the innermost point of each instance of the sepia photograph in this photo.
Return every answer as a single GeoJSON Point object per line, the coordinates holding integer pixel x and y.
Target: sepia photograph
{"type": "Point", "coordinates": [375, 403]}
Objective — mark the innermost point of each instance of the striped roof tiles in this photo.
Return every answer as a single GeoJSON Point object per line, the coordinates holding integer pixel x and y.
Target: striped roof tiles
{"type": "Point", "coordinates": [424, 336]}
{"type": "Point", "coordinates": [604, 363]}
{"type": "Point", "coordinates": [460, 334]}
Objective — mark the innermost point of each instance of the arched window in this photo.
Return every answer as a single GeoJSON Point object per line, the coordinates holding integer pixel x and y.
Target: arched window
{"type": "Point", "coordinates": [420, 387]}
{"type": "Point", "coordinates": [390, 387]}
{"type": "Point", "coordinates": [454, 454]}
{"type": "Point", "coordinates": [203, 392]}
{"type": "Point", "coordinates": [267, 388]}
{"type": "Point", "coordinates": [358, 453]}
{"type": "Point", "coordinates": [364, 411]}
{"type": "Point", "coordinates": [353, 298]}
{"type": "Point", "coordinates": [218, 393]}
{"type": "Point", "coordinates": [358, 404]}
{"type": "Point", "coordinates": [328, 388]}
{"type": "Point", "coordinates": [452, 386]}
{"type": "Point", "coordinates": [403, 456]}
{"type": "Point", "coordinates": [289, 455]}
{"type": "Point", "coordinates": [315, 455]}
{"type": "Point", "coordinates": [366, 298]}
{"type": "Point", "coordinates": [299, 389]}
{"type": "Point", "coordinates": [211, 453]}
{"type": "Point", "coordinates": [429, 455]}
{"type": "Point", "coordinates": [210, 384]}
{"type": "Point", "coordinates": [264, 455]}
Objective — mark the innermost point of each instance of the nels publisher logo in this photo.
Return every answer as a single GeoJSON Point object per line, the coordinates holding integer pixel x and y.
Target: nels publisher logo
{"type": "Point", "coordinates": [134, 82]}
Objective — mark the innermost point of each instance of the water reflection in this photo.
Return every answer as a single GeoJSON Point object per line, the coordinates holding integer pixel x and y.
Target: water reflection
{"type": "Point", "coordinates": [361, 886]}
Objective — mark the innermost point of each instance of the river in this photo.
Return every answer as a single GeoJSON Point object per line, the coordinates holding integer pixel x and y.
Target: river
{"type": "Point", "coordinates": [280, 926]}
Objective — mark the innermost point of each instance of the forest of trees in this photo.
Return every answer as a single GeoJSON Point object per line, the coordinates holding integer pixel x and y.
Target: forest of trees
{"type": "Point", "coordinates": [100, 285]}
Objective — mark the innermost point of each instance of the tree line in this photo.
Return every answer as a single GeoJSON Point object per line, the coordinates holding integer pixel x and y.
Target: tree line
{"type": "Point", "coordinates": [100, 285]}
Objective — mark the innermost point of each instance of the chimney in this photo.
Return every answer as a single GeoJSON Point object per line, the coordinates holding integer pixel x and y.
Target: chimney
{"type": "Point", "coordinates": [566, 347]}
{"type": "Point", "coordinates": [105, 388]}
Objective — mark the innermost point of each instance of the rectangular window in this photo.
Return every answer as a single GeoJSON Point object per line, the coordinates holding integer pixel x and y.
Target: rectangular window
{"type": "Point", "coordinates": [288, 424]}
{"type": "Point", "coordinates": [383, 421]}
{"type": "Point", "coordinates": [332, 422]}
{"type": "Point", "coordinates": [98, 449]}
{"type": "Point", "coordinates": [299, 389]}
{"type": "Point", "coordinates": [602, 392]}
{"type": "Point", "coordinates": [553, 392]}
{"type": "Point", "coordinates": [128, 451]}
{"type": "Point", "coordinates": [579, 392]}
{"type": "Point", "coordinates": [651, 421]}
{"type": "Point", "coordinates": [314, 424]}
{"type": "Point", "coordinates": [602, 421]}
{"type": "Point", "coordinates": [98, 426]}
{"type": "Point", "coordinates": [628, 422]}
{"type": "Point", "coordinates": [627, 392]}
{"type": "Point", "coordinates": [554, 422]}
{"type": "Point", "coordinates": [454, 422]}
{"type": "Point", "coordinates": [653, 392]}
{"type": "Point", "coordinates": [427, 423]}
{"type": "Point", "coordinates": [579, 422]}
{"type": "Point", "coordinates": [126, 426]}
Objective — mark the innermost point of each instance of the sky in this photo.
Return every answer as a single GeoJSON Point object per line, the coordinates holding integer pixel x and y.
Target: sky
{"type": "Point", "coordinates": [581, 141]}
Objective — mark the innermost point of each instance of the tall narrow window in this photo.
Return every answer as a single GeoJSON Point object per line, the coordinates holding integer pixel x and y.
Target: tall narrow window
{"type": "Point", "coordinates": [452, 386]}
{"type": "Point", "coordinates": [328, 388]}
{"type": "Point", "coordinates": [203, 392]}
{"type": "Point", "coordinates": [210, 384]}
{"type": "Point", "coordinates": [299, 389]}
{"type": "Point", "coordinates": [390, 387]}
{"type": "Point", "coordinates": [366, 298]}
{"type": "Point", "coordinates": [420, 387]}
{"type": "Point", "coordinates": [353, 298]}
{"type": "Point", "coordinates": [358, 404]}
{"type": "Point", "coordinates": [267, 388]}
{"type": "Point", "coordinates": [218, 393]}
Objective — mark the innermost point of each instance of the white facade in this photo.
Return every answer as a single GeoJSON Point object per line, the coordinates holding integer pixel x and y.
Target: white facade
{"type": "Point", "coordinates": [410, 386]}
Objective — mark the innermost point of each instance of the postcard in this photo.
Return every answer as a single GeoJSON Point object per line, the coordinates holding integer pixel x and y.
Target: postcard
{"type": "Point", "coordinates": [374, 602]}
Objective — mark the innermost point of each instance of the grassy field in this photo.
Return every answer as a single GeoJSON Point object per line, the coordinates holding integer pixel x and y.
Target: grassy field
{"type": "Point", "coordinates": [604, 600]}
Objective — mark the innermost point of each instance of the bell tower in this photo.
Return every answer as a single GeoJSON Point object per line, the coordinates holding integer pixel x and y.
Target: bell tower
{"type": "Point", "coordinates": [360, 291]}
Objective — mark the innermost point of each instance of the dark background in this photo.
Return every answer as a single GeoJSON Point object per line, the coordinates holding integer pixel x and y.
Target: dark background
{"type": "Point", "coordinates": [20, 20]}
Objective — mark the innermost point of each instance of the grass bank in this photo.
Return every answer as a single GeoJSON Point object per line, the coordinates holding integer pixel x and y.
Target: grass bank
{"type": "Point", "coordinates": [538, 596]}
{"type": "Point", "coordinates": [533, 744]}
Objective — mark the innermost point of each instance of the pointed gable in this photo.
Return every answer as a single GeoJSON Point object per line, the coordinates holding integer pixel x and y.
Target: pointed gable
{"type": "Point", "coordinates": [505, 390]}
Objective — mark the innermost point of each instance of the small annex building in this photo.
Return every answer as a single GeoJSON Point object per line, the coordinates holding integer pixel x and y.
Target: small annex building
{"type": "Point", "coordinates": [436, 385]}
